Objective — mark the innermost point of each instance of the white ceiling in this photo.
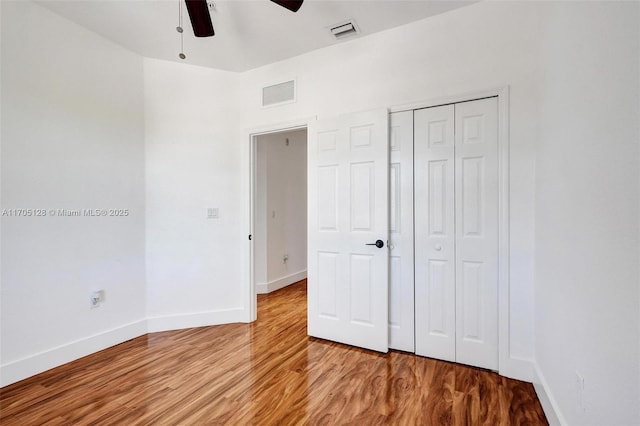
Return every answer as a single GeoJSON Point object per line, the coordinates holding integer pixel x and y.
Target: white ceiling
{"type": "Point", "coordinates": [249, 33]}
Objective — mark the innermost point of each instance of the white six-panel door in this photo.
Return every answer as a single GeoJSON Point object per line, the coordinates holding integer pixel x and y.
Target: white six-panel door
{"type": "Point", "coordinates": [401, 288]}
{"type": "Point", "coordinates": [348, 166]}
{"type": "Point", "coordinates": [456, 232]}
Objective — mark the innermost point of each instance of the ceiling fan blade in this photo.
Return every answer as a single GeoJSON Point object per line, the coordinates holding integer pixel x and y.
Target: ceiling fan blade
{"type": "Point", "coordinates": [292, 5]}
{"type": "Point", "coordinates": [200, 18]}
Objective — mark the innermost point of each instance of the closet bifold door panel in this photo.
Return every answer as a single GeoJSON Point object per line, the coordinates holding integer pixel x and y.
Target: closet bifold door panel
{"type": "Point", "coordinates": [456, 232]}
{"type": "Point", "coordinates": [401, 319]}
{"type": "Point", "coordinates": [476, 187]}
{"type": "Point", "coordinates": [434, 232]}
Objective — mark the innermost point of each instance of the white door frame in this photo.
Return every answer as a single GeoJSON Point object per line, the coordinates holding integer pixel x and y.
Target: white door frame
{"type": "Point", "coordinates": [249, 292]}
{"type": "Point", "coordinates": [507, 365]}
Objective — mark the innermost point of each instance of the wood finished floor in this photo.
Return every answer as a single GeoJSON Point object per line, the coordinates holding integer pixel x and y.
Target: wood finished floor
{"type": "Point", "coordinates": [267, 373]}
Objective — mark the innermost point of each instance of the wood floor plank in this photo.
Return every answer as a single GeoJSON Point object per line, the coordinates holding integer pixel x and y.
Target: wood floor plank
{"type": "Point", "coordinates": [265, 373]}
{"type": "Point", "coordinates": [466, 405]}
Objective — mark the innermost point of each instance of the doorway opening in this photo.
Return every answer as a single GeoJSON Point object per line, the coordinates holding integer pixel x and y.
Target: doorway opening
{"type": "Point", "coordinates": [279, 209]}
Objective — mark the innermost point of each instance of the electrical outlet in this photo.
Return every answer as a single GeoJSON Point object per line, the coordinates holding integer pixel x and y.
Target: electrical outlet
{"type": "Point", "coordinates": [96, 298]}
{"type": "Point", "coordinates": [213, 213]}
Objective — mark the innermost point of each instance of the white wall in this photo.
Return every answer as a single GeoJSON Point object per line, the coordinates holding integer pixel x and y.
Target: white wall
{"type": "Point", "coordinates": [283, 210]}
{"type": "Point", "coordinates": [72, 138]}
{"type": "Point", "coordinates": [483, 46]}
{"type": "Point", "coordinates": [195, 270]}
{"type": "Point", "coordinates": [587, 312]}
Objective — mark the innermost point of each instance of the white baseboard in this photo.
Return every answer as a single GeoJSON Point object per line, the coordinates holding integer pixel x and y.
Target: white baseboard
{"type": "Point", "coordinates": [518, 368]}
{"type": "Point", "coordinates": [15, 371]}
{"type": "Point", "coordinates": [274, 285]}
{"type": "Point", "coordinates": [529, 371]}
{"type": "Point", "coordinates": [34, 364]}
{"type": "Point", "coordinates": [548, 402]}
{"type": "Point", "coordinates": [198, 319]}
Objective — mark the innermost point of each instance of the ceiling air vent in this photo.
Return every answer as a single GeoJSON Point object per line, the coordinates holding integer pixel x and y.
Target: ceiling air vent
{"type": "Point", "coordinates": [279, 93]}
{"type": "Point", "coordinates": [345, 29]}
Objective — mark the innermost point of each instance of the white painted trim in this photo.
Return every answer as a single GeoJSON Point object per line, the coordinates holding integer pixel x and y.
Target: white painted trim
{"type": "Point", "coordinates": [250, 296]}
{"type": "Point", "coordinates": [518, 368]}
{"type": "Point", "coordinates": [284, 126]}
{"type": "Point", "coordinates": [446, 100]}
{"type": "Point", "coordinates": [197, 319]}
{"type": "Point", "coordinates": [249, 292]}
{"type": "Point", "coordinates": [504, 314]}
{"type": "Point", "coordinates": [264, 288]}
{"type": "Point", "coordinates": [34, 364]}
{"type": "Point", "coordinates": [549, 404]}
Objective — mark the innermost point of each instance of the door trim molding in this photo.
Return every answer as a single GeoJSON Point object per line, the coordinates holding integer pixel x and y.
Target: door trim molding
{"type": "Point", "coordinates": [508, 365]}
{"type": "Point", "coordinates": [249, 296]}
{"type": "Point", "coordinates": [500, 92]}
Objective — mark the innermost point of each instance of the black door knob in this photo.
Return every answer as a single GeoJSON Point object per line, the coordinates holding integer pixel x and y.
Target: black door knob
{"type": "Point", "coordinates": [378, 244]}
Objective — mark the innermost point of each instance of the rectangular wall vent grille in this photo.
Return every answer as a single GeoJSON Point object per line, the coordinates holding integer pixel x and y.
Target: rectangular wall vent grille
{"type": "Point", "coordinates": [344, 30]}
{"type": "Point", "coordinates": [279, 93]}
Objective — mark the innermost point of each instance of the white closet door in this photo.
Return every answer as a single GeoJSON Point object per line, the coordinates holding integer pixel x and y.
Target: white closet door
{"type": "Point", "coordinates": [434, 233]}
{"type": "Point", "coordinates": [348, 177]}
{"type": "Point", "coordinates": [476, 182]}
{"type": "Point", "coordinates": [401, 287]}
